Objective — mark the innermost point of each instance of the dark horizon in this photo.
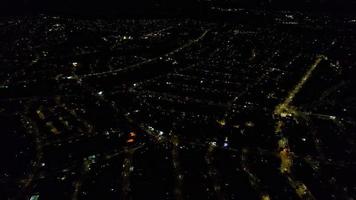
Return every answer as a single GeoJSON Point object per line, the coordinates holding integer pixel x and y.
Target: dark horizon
{"type": "Point", "coordinates": [144, 7]}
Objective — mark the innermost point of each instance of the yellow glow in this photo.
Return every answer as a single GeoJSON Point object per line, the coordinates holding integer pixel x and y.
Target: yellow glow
{"type": "Point", "coordinates": [221, 122]}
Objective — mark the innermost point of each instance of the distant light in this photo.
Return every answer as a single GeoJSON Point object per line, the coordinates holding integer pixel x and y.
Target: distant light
{"type": "Point", "coordinates": [250, 124]}
{"type": "Point", "coordinates": [92, 158]}
{"type": "Point", "coordinates": [127, 37]}
{"type": "Point", "coordinates": [290, 16]}
{"type": "Point", "coordinates": [213, 144]}
{"type": "Point", "coordinates": [130, 140]}
{"type": "Point", "coordinates": [222, 122]}
{"type": "Point", "coordinates": [266, 197]}
{"type": "Point", "coordinates": [131, 168]}
{"type": "Point", "coordinates": [75, 64]}
{"type": "Point", "coordinates": [132, 134]}
{"type": "Point", "coordinates": [35, 197]}
{"type": "Point", "coordinates": [100, 93]}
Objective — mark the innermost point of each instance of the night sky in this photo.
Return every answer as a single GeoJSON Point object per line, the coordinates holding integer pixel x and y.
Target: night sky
{"type": "Point", "coordinates": [134, 7]}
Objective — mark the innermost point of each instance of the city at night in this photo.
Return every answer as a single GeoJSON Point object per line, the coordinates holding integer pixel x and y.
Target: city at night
{"type": "Point", "coordinates": [178, 100]}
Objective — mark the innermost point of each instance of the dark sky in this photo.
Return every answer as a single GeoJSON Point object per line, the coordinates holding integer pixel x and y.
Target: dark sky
{"type": "Point", "coordinates": [155, 6]}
